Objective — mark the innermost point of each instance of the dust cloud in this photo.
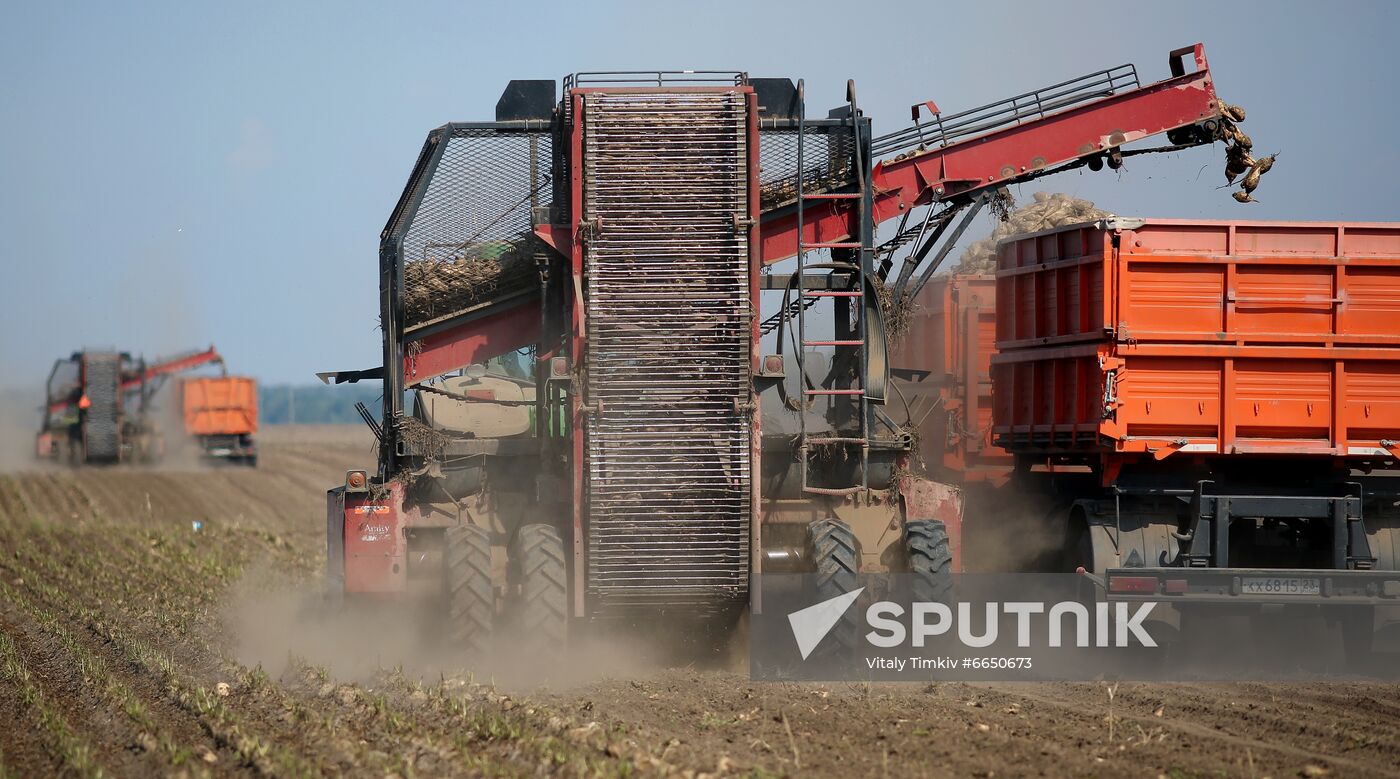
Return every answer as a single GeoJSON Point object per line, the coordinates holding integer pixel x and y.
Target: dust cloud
{"type": "Point", "coordinates": [278, 623]}
{"type": "Point", "coordinates": [19, 424]}
{"type": "Point", "coordinates": [1009, 531]}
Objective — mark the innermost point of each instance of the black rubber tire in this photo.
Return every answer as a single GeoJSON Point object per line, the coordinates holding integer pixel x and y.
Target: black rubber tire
{"type": "Point", "coordinates": [930, 560]}
{"type": "Point", "coordinates": [471, 601]}
{"type": "Point", "coordinates": [835, 555]}
{"type": "Point", "coordinates": [1078, 550]}
{"type": "Point", "coordinates": [543, 613]}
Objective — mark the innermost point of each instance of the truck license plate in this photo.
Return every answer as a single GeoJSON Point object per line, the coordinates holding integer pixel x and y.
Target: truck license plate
{"type": "Point", "coordinates": [1279, 585]}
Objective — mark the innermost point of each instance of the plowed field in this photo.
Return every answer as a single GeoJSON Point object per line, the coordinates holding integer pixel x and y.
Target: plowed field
{"type": "Point", "coordinates": [134, 642]}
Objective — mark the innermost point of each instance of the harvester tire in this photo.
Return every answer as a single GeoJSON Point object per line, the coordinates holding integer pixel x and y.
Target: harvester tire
{"type": "Point", "coordinates": [544, 586]}
{"type": "Point", "coordinates": [471, 601]}
{"type": "Point", "coordinates": [835, 555]}
{"type": "Point", "coordinates": [930, 560]}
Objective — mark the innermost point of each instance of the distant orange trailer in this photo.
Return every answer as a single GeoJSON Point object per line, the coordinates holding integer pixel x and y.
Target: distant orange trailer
{"type": "Point", "coordinates": [1211, 410]}
{"type": "Point", "coordinates": [945, 358]}
{"type": "Point", "coordinates": [221, 413]}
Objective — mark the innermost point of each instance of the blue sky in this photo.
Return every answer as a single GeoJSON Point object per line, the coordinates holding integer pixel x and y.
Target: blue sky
{"type": "Point", "coordinates": [179, 174]}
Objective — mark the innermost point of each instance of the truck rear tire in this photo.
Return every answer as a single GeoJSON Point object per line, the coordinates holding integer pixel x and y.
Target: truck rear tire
{"type": "Point", "coordinates": [538, 556]}
{"type": "Point", "coordinates": [835, 555]}
{"type": "Point", "coordinates": [471, 601]}
{"type": "Point", "coordinates": [930, 560]}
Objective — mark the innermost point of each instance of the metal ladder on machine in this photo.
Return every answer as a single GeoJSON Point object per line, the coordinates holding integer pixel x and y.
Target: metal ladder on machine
{"type": "Point", "coordinates": [864, 249]}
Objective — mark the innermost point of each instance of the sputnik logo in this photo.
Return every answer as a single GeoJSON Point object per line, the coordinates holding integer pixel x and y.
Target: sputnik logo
{"type": "Point", "coordinates": [810, 625]}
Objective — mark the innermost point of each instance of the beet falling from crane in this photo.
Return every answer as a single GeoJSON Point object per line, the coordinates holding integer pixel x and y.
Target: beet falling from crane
{"type": "Point", "coordinates": [1239, 154]}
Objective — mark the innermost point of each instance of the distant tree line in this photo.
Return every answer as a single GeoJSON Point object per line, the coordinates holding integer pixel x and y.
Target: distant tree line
{"type": "Point", "coordinates": [317, 404]}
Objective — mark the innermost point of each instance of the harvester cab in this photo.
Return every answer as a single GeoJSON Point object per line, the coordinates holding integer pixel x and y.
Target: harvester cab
{"type": "Point", "coordinates": [672, 442]}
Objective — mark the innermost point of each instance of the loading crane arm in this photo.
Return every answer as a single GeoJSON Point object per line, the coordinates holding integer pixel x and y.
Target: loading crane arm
{"type": "Point", "coordinates": [150, 375]}
{"type": "Point", "coordinates": [172, 365]}
{"type": "Point", "coordinates": [951, 158]}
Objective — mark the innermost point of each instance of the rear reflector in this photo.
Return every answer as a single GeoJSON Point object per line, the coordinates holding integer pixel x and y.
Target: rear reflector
{"type": "Point", "coordinates": [1142, 584]}
{"type": "Point", "coordinates": [1174, 586]}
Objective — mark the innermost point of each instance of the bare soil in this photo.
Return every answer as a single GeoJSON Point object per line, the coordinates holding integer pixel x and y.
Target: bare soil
{"type": "Point", "coordinates": [124, 634]}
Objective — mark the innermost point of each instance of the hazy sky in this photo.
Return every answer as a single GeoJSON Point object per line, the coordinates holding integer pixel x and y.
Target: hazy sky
{"type": "Point", "coordinates": [179, 174]}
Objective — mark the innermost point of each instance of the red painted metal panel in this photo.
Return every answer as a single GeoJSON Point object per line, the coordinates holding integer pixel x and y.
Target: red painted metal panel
{"type": "Point", "coordinates": [472, 342]}
{"type": "Point", "coordinates": [375, 546]}
{"type": "Point", "coordinates": [924, 499]}
{"type": "Point", "coordinates": [1222, 338]}
{"type": "Point", "coordinates": [756, 357]}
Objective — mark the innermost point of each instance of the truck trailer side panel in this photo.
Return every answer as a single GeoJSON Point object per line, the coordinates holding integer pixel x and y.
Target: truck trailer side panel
{"type": "Point", "coordinates": [1159, 336]}
{"type": "Point", "coordinates": [225, 405]}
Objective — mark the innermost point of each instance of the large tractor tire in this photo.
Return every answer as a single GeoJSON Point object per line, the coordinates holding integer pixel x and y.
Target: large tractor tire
{"type": "Point", "coordinates": [538, 557]}
{"type": "Point", "coordinates": [930, 560]}
{"type": "Point", "coordinates": [471, 601]}
{"type": "Point", "coordinates": [835, 555]}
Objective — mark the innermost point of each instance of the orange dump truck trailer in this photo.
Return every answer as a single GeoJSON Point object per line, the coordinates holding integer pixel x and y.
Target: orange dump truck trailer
{"type": "Point", "coordinates": [221, 415]}
{"type": "Point", "coordinates": [945, 375]}
{"type": "Point", "coordinates": [1214, 407]}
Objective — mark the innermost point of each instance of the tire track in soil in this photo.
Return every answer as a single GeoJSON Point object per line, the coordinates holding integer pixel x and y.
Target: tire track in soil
{"type": "Point", "coordinates": [21, 754]}
{"type": "Point", "coordinates": [52, 670]}
{"type": "Point", "coordinates": [12, 505]}
{"type": "Point", "coordinates": [1323, 727]}
{"type": "Point", "coordinates": [1278, 741]}
{"type": "Point", "coordinates": [49, 500]}
{"type": "Point", "coordinates": [349, 706]}
{"type": "Point", "coordinates": [173, 737]}
{"type": "Point", "coordinates": [845, 729]}
{"type": "Point", "coordinates": [191, 657]}
{"type": "Point", "coordinates": [173, 689]}
{"type": "Point", "coordinates": [91, 510]}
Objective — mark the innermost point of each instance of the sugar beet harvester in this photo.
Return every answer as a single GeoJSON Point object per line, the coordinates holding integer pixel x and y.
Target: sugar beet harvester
{"type": "Point", "coordinates": [652, 457]}
{"type": "Point", "coordinates": [97, 406]}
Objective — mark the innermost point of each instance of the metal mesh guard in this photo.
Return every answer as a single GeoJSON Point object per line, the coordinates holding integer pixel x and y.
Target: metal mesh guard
{"type": "Point", "coordinates": [668, 318]}
{"type": "Point", "coordinates": [470, 237]}
{"type": "Point", "coordinates": [827, 160]}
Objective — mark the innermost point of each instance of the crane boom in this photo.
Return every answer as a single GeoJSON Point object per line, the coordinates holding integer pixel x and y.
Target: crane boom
{"type": "Point", "coordinates": [171, 365]}
{"type": "Point", "coordinates": [1025, 145]}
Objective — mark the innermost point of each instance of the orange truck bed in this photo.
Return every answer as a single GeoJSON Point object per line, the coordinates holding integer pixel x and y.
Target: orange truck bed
{"type": "Point", "coordinates": [949, 345]}
{"type": "Point", "coordinates": [1148, 337]}
{"type": "Point", "coordinates": [227, 405]}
